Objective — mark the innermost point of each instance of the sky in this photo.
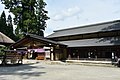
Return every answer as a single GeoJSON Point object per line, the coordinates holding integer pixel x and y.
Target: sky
{"type": "Point", "coordinates": [73, 13]}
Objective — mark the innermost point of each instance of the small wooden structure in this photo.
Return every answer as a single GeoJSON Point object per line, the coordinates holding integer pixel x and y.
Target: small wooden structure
{"type": "Point", "coordinates": [7, 54]}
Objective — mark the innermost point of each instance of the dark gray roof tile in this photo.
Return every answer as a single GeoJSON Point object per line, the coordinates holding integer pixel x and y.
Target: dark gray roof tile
{"type": "Point", "coordinates": [106, 26]}
{"type": "Point", "coordinates": [108, 41]}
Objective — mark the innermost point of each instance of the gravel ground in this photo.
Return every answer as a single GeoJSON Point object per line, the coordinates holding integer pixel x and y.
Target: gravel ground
{"type": "Point", "coordinates": [44, 71]}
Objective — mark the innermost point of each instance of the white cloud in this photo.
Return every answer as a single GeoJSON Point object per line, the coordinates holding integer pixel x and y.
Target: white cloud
{"type": "Point", "coordinates": [58, 17]}
{"type": "Point", "coordinates": [66, 13]}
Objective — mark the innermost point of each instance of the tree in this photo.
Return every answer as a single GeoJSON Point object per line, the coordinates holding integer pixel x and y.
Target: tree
{"type": "Point", "coordinates": [9, 23]}
{"type": "Point", "coordinates": [10, 29]}
{"type": "Point", "coordinates": [6, 26]}
{"type": "Point", "coordinates": [30, 15]}
{"type": "Point", "coordinates": [41, 16]}
{"type": "Point", "coordinates": [3, 25]}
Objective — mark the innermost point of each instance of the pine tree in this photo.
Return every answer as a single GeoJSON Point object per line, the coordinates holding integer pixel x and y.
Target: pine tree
{"type": "Point", "coordinates": [3, 25]}
{"type": "Point", "coordinates": [10, 31]}
{"type": "Point", "coordinates": [30, 15]}
{"type": "Point", "coordinates": [41, 16]}
{"type": "Point", "coordinates": [6, 26]}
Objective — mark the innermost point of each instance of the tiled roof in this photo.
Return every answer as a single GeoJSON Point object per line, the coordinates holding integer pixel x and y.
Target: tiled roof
{"type": "Point", "coordinates": [108, 41]}
{"type": "Point", "coordinates": [100, 27]}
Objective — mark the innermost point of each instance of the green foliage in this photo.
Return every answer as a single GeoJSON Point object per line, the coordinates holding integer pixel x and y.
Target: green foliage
{"type": "Point", "coordinates": [6, 26]}
{"type": "Point", "coordinates": [30, 15]}
{"type": "Point", "coordinates": [2, 50]}
{"type": "Point", "coordinates": [10, 31]}
{"type": "Point", "coordinates": [3, 25]}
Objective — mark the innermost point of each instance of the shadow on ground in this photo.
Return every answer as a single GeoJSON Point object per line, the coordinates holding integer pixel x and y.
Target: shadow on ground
{"type": "Point", "coordinates": [25, 71]}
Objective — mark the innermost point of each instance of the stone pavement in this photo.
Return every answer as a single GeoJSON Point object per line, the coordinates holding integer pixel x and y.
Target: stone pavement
{"type": "Point", "coordinates": [55, 70]}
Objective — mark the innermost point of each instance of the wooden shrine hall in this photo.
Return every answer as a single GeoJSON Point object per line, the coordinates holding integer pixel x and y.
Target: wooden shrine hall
{"type": "Point", "coordinates": [39, 47]}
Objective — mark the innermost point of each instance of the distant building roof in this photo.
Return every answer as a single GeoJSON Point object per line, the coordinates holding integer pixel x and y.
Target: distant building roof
{"type": "Point", "coordinates": [108, 41]}
{"type": "Point", "coordinates": [5, 40]}
{"type": "Point", "coordinates": [99, 27]}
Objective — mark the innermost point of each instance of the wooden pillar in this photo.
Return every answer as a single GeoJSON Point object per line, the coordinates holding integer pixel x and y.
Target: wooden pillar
{"type": "Point", "coordinates": [51, 53]}
{"type": "Point", "coordinates": [54, 56]}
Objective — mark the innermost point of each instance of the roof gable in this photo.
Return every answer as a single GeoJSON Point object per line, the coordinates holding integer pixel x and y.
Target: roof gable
{"type": "Point", "coordinates": [30, 39]}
